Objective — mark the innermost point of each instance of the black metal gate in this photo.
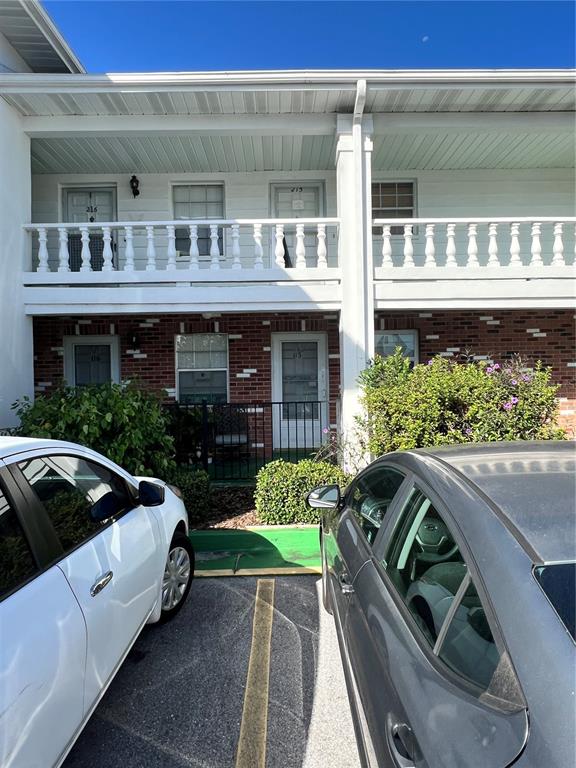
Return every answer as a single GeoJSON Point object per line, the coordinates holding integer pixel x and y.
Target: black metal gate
{"type": "Point", "coordinates": [232, 441]}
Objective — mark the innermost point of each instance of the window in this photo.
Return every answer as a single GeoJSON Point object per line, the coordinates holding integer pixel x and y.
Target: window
{"type": "Point", "coordinates": [198, 201]}
{"type": "Point", "coordinates": [393, 200]}
{"type": "Point", "coordinates": [91, 360]}
{"type": "Point", "coordinates": [428, 571]}
{"type": "Point", "coordinates": [370, 497]}
{"type": "Point", "coordinates": [387, 341]}
{"type": "Point", "coordinates": [202, 367]}
{"type": "Point", "coordinates": [79, 496]}
{"type": "Point", "coordinates": [16, 561]}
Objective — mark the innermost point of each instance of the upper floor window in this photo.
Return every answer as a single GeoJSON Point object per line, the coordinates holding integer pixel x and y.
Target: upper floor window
{"type": "Point", "coordinates": [198, 201]}
{"type": "Point", "coordinates": [202, 367]}
{"type": "Point", "coordinates": [393, 200]}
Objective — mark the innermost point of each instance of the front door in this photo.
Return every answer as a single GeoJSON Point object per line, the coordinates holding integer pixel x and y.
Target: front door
{"type": "Point", "coordinates": [88, 205]}
{"type": "Point", "coordinates": [297, 201]}
{"type": "Point", "coordinates": [299, 390]}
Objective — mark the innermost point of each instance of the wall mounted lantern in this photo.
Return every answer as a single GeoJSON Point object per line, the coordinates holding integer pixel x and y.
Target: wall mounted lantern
{"type": "Point", "coordinates": [134, 185]}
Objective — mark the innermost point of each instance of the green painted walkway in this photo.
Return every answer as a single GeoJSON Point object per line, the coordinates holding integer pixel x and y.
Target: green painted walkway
{"type": "Point", "coordinates": [257, 551]}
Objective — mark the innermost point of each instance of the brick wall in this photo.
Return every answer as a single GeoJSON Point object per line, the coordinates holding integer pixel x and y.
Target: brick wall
{"type": "Point", "coordinates": [152, 361]}
{"type": "Point", "coordinates": [546, 335]}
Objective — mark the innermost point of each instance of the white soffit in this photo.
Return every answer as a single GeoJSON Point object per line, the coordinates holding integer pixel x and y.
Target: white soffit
{"type": "Point", "coordinates": [31, 32]}
{"type": "Point", "coordinates": [181, 154]}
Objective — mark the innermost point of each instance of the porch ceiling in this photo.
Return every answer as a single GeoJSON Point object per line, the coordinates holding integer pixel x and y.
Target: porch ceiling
{"type": "Point", "coordinates": [181, 154]}
{"type": "Point", "coordinates": [451, 151]}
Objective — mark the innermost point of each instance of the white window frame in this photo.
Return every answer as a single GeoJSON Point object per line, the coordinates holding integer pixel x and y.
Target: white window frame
{"type": "Point", "coordinates": [414, 183]}
{"type": "Point", "coordinates": [201, 183]}
{"type": "Point", "coordinates": [187, 370]}
{"type": "Point", "coordinates": [412, 331]}
{"type": "Point", "coordinates": [71, 342]}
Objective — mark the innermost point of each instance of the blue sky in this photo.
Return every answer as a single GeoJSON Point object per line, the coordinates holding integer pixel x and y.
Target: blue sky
{"type": "Point", "coordinates": [153, 35]}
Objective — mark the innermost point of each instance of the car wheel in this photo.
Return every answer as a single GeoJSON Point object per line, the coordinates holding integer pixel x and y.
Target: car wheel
{"type": "Point", "coordinates": [325, 594]}
{"type": "Point", "coordinates": [178, 575]}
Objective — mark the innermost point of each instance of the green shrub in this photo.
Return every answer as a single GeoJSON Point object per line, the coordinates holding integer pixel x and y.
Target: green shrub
{"type": "Point", "coordinates": [445, 402]}
{"type": "Point", "coordinates": [282, 487]}
{"type": "Point", "coordinates": [123, 422]}
{"type": "Point", "coordinates": [194, 485]}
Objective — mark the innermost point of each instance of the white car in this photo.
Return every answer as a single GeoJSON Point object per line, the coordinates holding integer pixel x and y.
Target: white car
{"type": "Point", "coordinates": [88, 555]}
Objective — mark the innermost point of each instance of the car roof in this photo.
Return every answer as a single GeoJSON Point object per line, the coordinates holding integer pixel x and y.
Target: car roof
{"type": "Point", "coordinates": [531, 485]}
{"type": "Point", "coordinates": [12, 445]}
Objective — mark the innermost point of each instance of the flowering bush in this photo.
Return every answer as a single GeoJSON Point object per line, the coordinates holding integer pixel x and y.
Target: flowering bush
{"type": "Point", "coordinates": [442, 402]}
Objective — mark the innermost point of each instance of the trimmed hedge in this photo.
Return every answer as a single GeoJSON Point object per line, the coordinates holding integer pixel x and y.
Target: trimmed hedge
{"type": "Point", "coordinates": [282, 487]}
{"type": "Point", "coordinates": [194, 485]}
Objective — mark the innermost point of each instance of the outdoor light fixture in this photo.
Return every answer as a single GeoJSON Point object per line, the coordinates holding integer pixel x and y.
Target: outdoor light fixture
{"type": "Point", "coordinates": [133, 338]}
{"type": "Point", "coordinates": [134, 184]}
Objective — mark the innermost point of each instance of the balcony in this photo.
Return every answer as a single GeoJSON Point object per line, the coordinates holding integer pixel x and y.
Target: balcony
{"type": "Point", "coordinates": [181, 265]}
{"type": "Point", "coordinates": [490, 263]}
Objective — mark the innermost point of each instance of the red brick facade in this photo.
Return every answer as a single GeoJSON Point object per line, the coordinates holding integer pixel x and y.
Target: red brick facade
{"type": "Point", "coordinates": [546, 335]}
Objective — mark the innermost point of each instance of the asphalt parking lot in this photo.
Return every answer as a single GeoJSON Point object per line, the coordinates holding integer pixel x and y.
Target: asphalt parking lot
{"type": "Point", "coordinates": [194, 692]}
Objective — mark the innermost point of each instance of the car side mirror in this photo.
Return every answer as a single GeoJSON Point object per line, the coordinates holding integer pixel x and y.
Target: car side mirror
{"type": "Point", "coordinates": [324, 497]}
{"type": "Point", "coordinates": [150, 494]}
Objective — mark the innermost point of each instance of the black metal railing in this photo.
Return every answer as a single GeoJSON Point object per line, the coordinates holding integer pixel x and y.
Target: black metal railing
{"type": "Point", "coordinates": [232, 441]}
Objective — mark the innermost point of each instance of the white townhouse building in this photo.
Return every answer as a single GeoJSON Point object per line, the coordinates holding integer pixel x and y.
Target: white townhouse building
{"type": "Point", "coordinates": [255, 237]}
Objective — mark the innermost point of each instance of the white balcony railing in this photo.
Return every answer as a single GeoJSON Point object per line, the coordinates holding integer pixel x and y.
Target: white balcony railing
{"type": "Point", "coordinates": [151, 246]}
{"type": "Point", "coordinates": [494, 243]}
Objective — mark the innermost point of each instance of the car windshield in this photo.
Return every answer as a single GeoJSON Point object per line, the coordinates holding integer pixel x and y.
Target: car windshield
{"type": "Point", "coordinates": [559, 585]}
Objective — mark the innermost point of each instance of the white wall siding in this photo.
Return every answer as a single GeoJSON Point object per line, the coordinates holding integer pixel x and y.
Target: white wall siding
{"type": "Point", "coordinates": [16, 374]}
{"type": "Point", "coordinates": [245, 196]}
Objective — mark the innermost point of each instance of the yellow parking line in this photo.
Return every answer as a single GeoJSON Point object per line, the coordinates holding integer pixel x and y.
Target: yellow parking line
{"type": "Point", "coordinates": [251, 751]}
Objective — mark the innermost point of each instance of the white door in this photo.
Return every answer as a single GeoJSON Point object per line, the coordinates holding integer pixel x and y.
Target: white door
{"type": "Point", "coordinates": [299, 390]}
{"type": "Point", "coordinates": [88, 206]}
{"type": "Point", "coordinates": [112, 561]}
{"type": "Point", "coordinates": [298, 201]}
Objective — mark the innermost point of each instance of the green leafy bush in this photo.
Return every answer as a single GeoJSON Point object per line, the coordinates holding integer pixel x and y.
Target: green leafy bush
{"type": "Point", "coordinates": [282, 487]}
{"type": "Point", "coordinates": [123, 422]}
{"type": "Point", "coordinates": [194, 485]}
{"type": "Point", "coordinates": [445, 402]}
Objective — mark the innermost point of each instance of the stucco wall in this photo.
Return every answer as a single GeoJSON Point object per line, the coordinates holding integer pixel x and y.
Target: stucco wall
{"type": "Point", "coordinates": [16, 367]}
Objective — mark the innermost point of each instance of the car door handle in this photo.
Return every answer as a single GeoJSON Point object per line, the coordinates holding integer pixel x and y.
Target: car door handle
{"type": "Point", "coordinates": [345, 586]}
{"type": "Point", "coordinates": [99, 585]}
{"type": "Point", "coordinates": [402, 746]}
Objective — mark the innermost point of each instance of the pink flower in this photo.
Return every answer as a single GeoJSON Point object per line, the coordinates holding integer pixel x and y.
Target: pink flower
{"type": "Point", "coordinates": [513, 382]}
{"type": "Point", "coordinates": [468, 431]}
{"type": "Point", "coordinates": [489, 369]}
{"type": "Point", "coordinates": [325, 430]}
{"type": "Point", "coordinates": [507, 406]}
{"type": "Point", "coordinates": [496, 366]}
{"type": "Point", "coordinates": [429, 362]}
{"type": "Point", "coordinates": [513, 400]}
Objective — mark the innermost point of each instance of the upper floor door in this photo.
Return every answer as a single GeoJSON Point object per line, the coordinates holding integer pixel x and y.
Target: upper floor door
{"type": "Point", "coordinates": [86, 205]}
{"type": "Point", "coordinates": [298, 201]}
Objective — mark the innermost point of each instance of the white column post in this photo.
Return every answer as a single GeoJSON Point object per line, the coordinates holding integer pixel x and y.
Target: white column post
{"type": "Point", "coordinates": [107, 255]}
{"type": "Point", "coordinates": [129, 252]}
{"type": "Point", "coordinates": [63, 265]}
{"type": "Point", "coordinates": [279, 249]}
{"type": "Point", "coordinates": [42, 250]}
{"type": "Point", "coordinates": [236, 263]}
{"type": "Point", "coordinates": [354, 197]}
{"type": "Point", "coordinates": [171, 249]}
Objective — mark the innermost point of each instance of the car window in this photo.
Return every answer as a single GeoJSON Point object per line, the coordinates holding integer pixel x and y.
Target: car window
{"type": "Point", "coordinates": [79, 496]}
{"type": "Point", "coordinates": [429, 573]}
{"type": "Point", "coordinates": [16, 561]}
{"type": "Point", "coordinates": [370, 497]}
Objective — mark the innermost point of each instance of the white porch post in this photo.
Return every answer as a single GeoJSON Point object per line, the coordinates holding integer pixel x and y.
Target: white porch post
{"type": "Point", "coordinates": [16, 371]}
{"type": "Point", "coordinates": [354, 195]}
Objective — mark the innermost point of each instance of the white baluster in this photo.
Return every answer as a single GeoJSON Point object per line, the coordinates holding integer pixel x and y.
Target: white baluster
{"type": "Point", "coordinates": [451, 246]}
{"type": "Point", "coordinates": [86, 265]}
{"type": "Point", "coordinates": [107, 254]}
{"type": "Point", "coordinates": [258, 252]}
{"type": "Point", "coordinates": [236, 263]}
{"type": "Point", "coordinates": [214, 248]}
{"type": "Point", "coordinates": [408, 246]}
{"type": "Point", "coordinates": [322, 261]}
{"type": "Point", "coordinates": [386, 247]}
{"type": "Point", "coordinates": [515, 260]}
{"type": "Point", "coordinates": [472, 246]}
{"type": "Point", "coordinates": [42, 250]}
{"type": "Point", "coordinates": [63, 255]}
{"type": "Point", "coordinates": [300, 247]}
{"type": "Point", "coordinates": [558, 247]}
{"type": "Point", "coordinates": [536, 249]}
{"type": "Point", "coordinates": [493, 246]}
{"type": "Point", "coordinates": [194, 253]}
{"type": "Point", "coordinates": [171, 249]}
{"type": "Point", "coordinates": [429, 250]}
{"type": "Point", "coordinates": [279, 248]}
{"type": "Point", "coordinates": [129, 254]}
{"type": "Point", "coordinates": [150, 250]}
